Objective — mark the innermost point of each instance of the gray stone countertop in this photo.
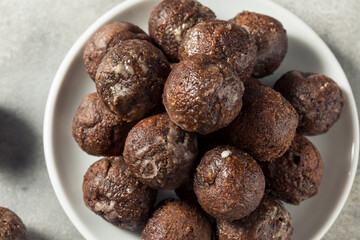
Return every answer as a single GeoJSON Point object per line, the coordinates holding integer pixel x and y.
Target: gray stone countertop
{"type": "Point", "coordinates": [34, 38]}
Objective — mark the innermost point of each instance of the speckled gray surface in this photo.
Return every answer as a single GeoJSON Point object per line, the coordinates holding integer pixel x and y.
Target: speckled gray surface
{"type": "Point", "coordinates": [34, 38]}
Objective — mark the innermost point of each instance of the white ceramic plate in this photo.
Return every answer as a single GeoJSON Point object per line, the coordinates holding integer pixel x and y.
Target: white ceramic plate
{"type": "Point", "coordinates": [339, 147]}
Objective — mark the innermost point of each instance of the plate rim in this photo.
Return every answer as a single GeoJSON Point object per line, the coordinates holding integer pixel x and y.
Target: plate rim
{"type": "Point", "coordinates": [58, 81]}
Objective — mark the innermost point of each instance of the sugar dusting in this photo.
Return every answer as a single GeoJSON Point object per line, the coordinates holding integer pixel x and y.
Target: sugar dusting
{"type": "Point", "coordinates": [124, 69]}
{"type": "Point", "coordinates": [104, 206]}
{"type": "Point", "coordinates": [155, 169]}
{"type": "Point", "coordinates": [129, 69]}
{"type": "Point", "coordinates": [103, 43]}
{"type": "Point", "coordinates": [140, 153]}
{"type": "Point", "coordinates": [144, 67]}
{"type": "Point", "coordinates": [119, 68]}
{"type": "Point", "coordinates": [226, 153]}
{"type": "Point", "coordinates": [108, 208]}
{"type": "Point", "coordinates": [229, 94]}
{"type": "Point", "coordinates": [324, 86]}
{"type": "Point", "coordinates": [139, 61]}
{"type": "Point", "coordinates": [178, 32]}
{"type": "Point", "coordinates": [228, 26]}
{"type": "Point", "coordinates": [119, 90]}
{"type": "Point", "coordinates": [180, 149]}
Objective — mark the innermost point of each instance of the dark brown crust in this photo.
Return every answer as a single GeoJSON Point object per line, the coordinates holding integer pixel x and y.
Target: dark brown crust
{"type": "Point", "coordinates": [11, 226]}
{"type": "Point", "coordinates": [159, 153]}
{"type": "Point", "coordinates": [131, 77]}
{"type": "Point", "coordinates": [171, 19]}
{"type": "Point", "coordinates": [317, 99]}
{"type": "Point", "coordinates": [202, 96]}
{"type": "Point", "coordinates": [111, 192]}
{"type": "Point", "coordinates": [270, 37]}
{"type": "Point", "coordinates": [176, 220]}
{"type": "Point", "coordinates": [266, 124]}
{"type": "Point", "coordinates": [97, 130]}
{"type": "Point", "coordinates": [228, 183]}
{"type": "Point", "coordinates": [270, 220]}
{"type": "Point", "coordinates": [295, 176]}
{"type": "Point", "coordinates": [222, 41]}
{"type": "Point", "coordinates": [105, 38]}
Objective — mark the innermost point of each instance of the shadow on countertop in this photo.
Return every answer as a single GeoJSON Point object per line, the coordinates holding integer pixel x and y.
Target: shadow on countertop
{"type": "Point", "coordinates": [17, 142]}
{"type": "Point", "coordinates": [36, 235]}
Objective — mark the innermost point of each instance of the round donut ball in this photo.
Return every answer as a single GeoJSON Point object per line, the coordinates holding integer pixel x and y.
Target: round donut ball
{"type": "Point", "coordinates": [105, 38]}
{"type": "Point", "coordinates": [270, 38]}
{"type": "Point", "coordinates": [266, 124]}
{"type": "Point", "coordinates": [171, 19]}
{"type": "Point", "coordinates": [112, 193]}
{"type": "Point", "coordinates": [317, 99]}
{"type": "Point", "coordinates": [202, 96]}
{"type": "Point", "coordinates": [295, 176]}
{"type": "Point", "coordinates": [11, 226]}
{"type": "Point", "coordinates": [270, 220]}
{"type": "Point", "coordinates": [97, 130]}
{"type": "Point", "coordinates": [159, 153]}
{"type": "Point", "coordinates": [228, 183]}
{"type": "Point", "coordinates": [176, 220]}
{"type": "Point", "coordinates": [131, 77]}
{"type": "Point", "coordinates": [222, 41]}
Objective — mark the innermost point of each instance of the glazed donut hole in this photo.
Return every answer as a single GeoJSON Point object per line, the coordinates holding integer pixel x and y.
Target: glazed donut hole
{"type": "Point", "coordinates": [317, 99]}
{"type": "Point", "coordinates": [270, 38]}
{"type": "Point", "coordinates": [177, 220]}
{"type": "Point", "coordinates": [270, 220]}
{"type": "Point", "coordinates": [104, 39]}
{"type": "Point", "coordinates": [296, 175]}
{"type": "Point", "coordinates": [159, 153]}
{"type": "Point", "coordinates": [266, 124]}
{"type": "Point", "coordinates": [111, 192]}
{"type": "Point", "coordinates": [202, 96]}
{"type": "Point", "coordinates": [228, 183]}
{"type": "Point", "coordinates": [131, 77]}
{"type": "Point", "coordinates": [97, 130]}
